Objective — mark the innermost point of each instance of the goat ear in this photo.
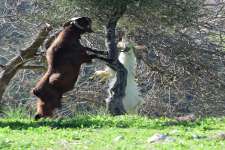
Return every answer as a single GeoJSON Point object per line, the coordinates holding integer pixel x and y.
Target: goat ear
{"type": "Point", "coordinates": [37, 117]}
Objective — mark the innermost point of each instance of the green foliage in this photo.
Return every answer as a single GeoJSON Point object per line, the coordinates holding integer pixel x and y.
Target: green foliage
{"type": "Point", "coordinates": [101, 132]}
{"type": "Point", "coordinates": [169, 12]}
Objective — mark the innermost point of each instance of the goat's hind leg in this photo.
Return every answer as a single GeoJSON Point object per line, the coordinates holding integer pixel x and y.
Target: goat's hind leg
{"type": "Point", "coordinates": [49, 100]}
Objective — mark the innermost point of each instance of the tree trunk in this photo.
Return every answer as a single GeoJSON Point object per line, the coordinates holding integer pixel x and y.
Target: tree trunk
{"type": "Point", "coordinates": [11, 68]}
{"type": "Point", "coordinates": [114, 103]}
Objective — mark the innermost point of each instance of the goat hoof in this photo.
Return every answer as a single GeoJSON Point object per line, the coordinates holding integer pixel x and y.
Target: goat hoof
{"type": "Point", "coordinates": [37, 117]}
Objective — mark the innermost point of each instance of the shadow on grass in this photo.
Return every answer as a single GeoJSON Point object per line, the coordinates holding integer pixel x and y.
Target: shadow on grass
{"type": "Point", "coordinates": [95, 122]}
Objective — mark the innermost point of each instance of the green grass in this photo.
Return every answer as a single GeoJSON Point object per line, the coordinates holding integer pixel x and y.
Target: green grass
{"type": "Point", "coordinates": [101, 132]}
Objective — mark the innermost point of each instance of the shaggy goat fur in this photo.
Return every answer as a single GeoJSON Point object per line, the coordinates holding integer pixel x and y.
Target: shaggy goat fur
{"type": "Point", "coordinates": [65, 56]}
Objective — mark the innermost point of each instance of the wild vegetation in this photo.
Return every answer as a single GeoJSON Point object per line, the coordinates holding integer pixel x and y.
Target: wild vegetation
{"type": "Point", "coordinates": [180, 73]}
{"type": "Point", "coordinates": [100, 132]}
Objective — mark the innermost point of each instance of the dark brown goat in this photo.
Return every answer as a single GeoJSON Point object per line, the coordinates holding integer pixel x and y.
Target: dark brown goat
{"type": "Point", "coordinates": [64, 57]}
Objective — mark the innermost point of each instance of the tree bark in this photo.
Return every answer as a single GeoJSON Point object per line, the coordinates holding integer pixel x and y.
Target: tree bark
{"type": "Point", "coordinates": [114, 103]}
{"type": "Point", "coordinates": [11, 68]}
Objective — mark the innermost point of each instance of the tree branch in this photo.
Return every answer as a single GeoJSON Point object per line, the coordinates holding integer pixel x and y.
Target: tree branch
{"type": "Point", "coordinates": [51, 39]}
{"type": "Point", "coordinates": [91, 101]}
{"type": "Point", "coordinates": [33, 67]}
{"type": "Point", "coordinates": [114, 101]}
{"type": "Point", "coordinates": [18, 61]}
{"type": "Point", "coordinates": [2, 66]}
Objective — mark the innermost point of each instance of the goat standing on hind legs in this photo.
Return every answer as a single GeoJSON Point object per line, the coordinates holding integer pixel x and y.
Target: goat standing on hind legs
{"type": "Point", "coordinates": [64, 56]}
{"type": "Point", "coordinates": [132, 99]}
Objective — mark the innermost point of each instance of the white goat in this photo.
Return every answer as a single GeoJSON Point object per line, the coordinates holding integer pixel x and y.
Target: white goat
{"type": "Point", "coordinates": [132, 98]}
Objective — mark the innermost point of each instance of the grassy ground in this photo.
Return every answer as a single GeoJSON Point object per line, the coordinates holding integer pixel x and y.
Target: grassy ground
{"type": "Point", "coordinates": [111, 133]}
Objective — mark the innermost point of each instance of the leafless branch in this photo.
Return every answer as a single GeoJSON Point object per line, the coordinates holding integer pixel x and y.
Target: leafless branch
{"type": "Point", "coordinates": [2, 66]}
{"type": "Point", "coordinates": [33, 67]}
{"type": "Point", "coordinates": [18, 61]}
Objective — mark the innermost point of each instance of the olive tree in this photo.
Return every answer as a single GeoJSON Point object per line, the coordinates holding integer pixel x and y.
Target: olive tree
{"type": "Point", "coordinates": [110, 13]}
{"type": "Point", "coordinates": [114, 13]}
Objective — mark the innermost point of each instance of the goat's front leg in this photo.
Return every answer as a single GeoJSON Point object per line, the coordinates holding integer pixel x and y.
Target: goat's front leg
{"type": "Point", "coordinates": [96, 51]}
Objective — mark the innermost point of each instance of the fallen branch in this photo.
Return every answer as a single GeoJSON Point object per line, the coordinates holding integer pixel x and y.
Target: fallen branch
{"type": "Point", "coordinates": [51, 39]}
{"type": "Point", "coordinates": [11, 68]}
